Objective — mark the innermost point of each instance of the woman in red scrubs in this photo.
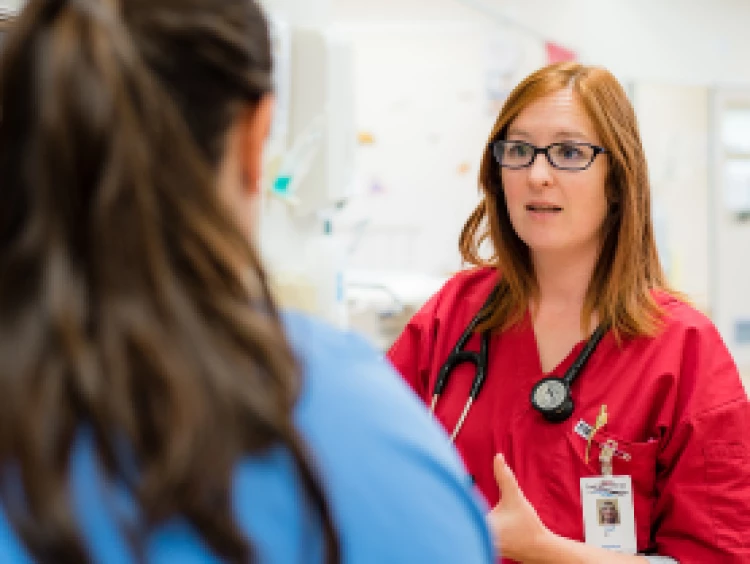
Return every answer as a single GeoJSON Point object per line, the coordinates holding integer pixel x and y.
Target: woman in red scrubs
{"type": "Point", "coordinates": [566, 208]}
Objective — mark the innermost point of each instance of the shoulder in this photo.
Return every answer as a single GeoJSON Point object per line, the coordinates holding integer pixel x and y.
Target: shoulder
{"type": "Point", "coordinates": [452, 307]}
{"type": "Point", "coordinates": [346, 381]}
{"type": "Point", "coordinates": [472, 282]}
{"type": "Point", "coordinates": [681, 321]}
{"type": "Point", "coordinates": [679, 312]}
{"type": "Point", "coordinates": [691, 348]}
{"type": "Point", "coordinates": [342, 369]}
{"type": "Point", "coordinates": [342, 372]}
{"type": "Point", "coordinates": [467, 289]}
{"type": "Point", "coordinates": [385, 463]}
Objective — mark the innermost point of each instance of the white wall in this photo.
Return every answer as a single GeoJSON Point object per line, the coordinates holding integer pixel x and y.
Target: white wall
{"type": "Point", "coordinates": [420, 93]}
{"type": "Point", "coordinates": [731, 234]}
{"type": "Point", "coordinates": [674, 122]}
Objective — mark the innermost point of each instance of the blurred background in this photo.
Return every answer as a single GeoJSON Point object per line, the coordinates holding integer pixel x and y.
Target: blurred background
{"type": "Point", "coordinates": [384, 107]}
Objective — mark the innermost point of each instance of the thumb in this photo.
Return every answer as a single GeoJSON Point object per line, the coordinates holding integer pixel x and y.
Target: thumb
{"type": "Point", "coordinates": [506, 480]}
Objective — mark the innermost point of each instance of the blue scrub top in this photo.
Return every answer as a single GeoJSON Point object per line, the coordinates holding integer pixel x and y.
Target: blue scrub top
{"type": "Point", "coordinates": [395, 485]}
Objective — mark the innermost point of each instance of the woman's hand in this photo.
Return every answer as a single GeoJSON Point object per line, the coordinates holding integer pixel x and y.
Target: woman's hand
{"type": "Point", "coordinates": [520, 535]}
{"type": "Point", "coordinates": [517, 531]}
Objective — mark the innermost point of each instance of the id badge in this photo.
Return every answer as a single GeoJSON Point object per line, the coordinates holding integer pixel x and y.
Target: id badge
{"type": "Point", "coordinates": [608, 514]}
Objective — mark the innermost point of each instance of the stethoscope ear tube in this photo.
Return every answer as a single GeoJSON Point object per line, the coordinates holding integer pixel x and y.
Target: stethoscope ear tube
{"type": "Point", "coordinates": [459, 355]}
{"type": "Point", "coordinates": [575, 369]}
{"type": "Point", "coordinates": [454, 360]}
{"type": "Point", "coordinates": [442, 378]}
{"type": "Point", "coordinates": [481, 375]}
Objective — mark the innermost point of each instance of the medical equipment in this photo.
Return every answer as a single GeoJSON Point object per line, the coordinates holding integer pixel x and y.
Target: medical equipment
{"type": "Point", "coordinates": [550, 396]}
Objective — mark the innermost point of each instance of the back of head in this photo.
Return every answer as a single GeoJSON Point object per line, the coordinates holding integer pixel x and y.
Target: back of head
{"type": "Point", "coordinates": [628, 267]}
{"type": "Point", "coordinates": [131, 304]}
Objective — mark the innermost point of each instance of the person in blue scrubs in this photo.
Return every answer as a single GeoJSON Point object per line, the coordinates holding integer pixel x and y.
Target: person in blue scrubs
{"type": "Point", "coordinates": [156, 405]}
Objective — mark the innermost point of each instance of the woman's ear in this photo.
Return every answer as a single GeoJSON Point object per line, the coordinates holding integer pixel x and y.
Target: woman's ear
{"type": "Point", "coordinates": [255, 125]}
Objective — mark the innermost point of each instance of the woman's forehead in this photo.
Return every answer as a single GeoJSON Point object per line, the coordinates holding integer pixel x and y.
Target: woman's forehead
{"type": "Point", "coordinates": [557, 116]}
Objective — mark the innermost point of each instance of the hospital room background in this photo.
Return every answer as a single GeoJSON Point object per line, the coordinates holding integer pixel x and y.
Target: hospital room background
{"type": "Point", "coordinates": [384, 108]}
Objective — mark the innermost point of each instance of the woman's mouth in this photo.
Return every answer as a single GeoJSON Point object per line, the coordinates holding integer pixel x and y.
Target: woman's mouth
{"type": "Point", "coordinates": [543, 208]}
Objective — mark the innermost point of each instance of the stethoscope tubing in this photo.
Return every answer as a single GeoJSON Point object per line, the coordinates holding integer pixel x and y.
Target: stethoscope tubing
{"type": "Point", "coordinates": [480, 361]}
{"type": "Point", "coordinates": [458, 356]}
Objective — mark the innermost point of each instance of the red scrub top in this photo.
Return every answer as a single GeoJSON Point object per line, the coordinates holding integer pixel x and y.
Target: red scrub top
{"type": "Point", "coordinates": [676, 405]}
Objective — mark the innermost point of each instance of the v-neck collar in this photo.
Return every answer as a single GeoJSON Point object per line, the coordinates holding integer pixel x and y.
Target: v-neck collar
{"type": "Point", "coordinates": [562, 366]}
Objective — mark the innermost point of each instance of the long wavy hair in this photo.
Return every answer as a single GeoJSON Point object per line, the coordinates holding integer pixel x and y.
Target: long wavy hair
{"type": "Point", "coordinates": [628, 268]}
{"type": "Point", "coordinates": [132, 308]}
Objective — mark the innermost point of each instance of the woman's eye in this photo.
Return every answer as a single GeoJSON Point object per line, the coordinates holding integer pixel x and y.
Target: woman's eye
{"type": "Point", "coordinates": [518, 151]}
{"type": "Point", "coordinates": [570, 152]}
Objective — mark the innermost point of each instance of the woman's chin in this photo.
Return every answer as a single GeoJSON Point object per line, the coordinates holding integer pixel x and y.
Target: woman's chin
{"type": "Point", "coordinates": [544, 247]}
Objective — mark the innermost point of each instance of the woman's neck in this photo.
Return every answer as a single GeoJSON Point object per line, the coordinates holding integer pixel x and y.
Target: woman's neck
{"type": "Point", "coordinates": [563, 279]}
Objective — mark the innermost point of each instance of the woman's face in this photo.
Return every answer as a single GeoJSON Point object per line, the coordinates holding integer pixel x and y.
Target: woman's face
{"type": "Point", "coordinates": [556, 210]}
{"type": "Point", "coordinates": [609, 514]}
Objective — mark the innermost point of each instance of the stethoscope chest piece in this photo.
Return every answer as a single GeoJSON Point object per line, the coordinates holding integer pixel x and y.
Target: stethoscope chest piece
{"type": "Point", "coordinates": [552, 398]}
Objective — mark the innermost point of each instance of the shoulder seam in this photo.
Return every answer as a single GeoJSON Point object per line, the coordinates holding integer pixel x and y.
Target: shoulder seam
{"type": "Point", "coordinates": [715, 408]}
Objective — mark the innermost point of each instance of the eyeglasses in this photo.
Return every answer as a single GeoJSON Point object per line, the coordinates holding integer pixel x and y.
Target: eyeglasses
{"type": "Point", "coordinates": [564, 156]}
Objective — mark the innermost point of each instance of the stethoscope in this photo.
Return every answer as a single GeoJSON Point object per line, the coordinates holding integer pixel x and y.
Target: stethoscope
{"type": "Point", "coordinates": [550, 396]}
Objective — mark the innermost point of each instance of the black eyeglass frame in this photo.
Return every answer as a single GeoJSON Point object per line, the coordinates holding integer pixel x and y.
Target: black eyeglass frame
{"type": "Point", "coordinates": [545, 151]}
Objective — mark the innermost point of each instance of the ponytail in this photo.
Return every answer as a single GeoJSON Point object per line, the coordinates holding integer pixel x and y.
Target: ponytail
{"type": "Point", "coordinates": [124, 284]}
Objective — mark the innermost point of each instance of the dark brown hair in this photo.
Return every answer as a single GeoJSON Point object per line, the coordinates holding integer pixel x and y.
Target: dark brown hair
{"type": "Point", "coordinates": [131, 306]}
{"type": "Point", "coordinates": [628, 268]}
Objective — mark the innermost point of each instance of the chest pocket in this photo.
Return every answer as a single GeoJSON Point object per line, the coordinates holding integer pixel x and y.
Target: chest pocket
{"type": "Point", "coordinates": [634, 459]}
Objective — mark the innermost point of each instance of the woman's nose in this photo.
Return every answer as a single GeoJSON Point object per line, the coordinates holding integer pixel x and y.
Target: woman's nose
{"type": "Point", "coordinates": [540, 172]}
